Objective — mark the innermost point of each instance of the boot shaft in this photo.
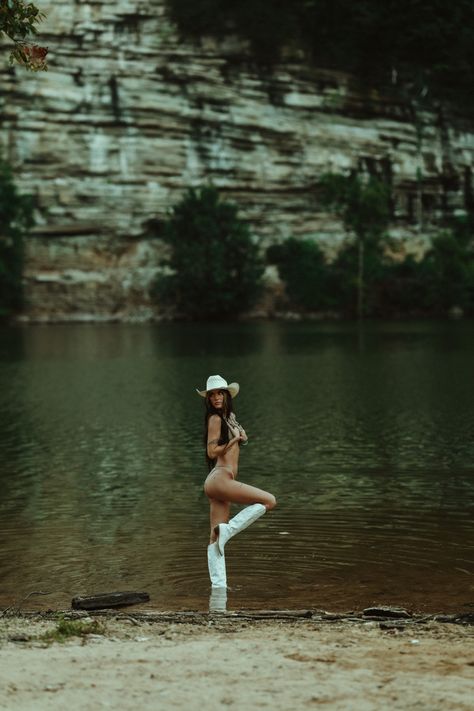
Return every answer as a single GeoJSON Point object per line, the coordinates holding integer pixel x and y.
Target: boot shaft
{"type": "Point", "coordinates": [245, 518]}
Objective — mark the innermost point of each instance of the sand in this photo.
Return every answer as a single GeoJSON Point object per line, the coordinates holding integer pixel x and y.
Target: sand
{"type": "Point", "coordinates": [224, 662]}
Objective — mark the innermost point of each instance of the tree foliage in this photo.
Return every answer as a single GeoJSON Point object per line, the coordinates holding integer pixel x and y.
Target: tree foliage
{"type": "Point", "coordinates": [362, 203]}
{"type": "Point", "coordinates": [442, 280]}
{"type": "Point", "coordinates": [426, 46]}
{"type": "Point", "coordinates": [214, 266]}
{"type": "Point", "coordinates": [364, 206]}
{"type": "Point", "coordinates": [448, 268]}
{"type": "Point", "coordinates": [16, 218]}
{"type": "Point", "coordinates": [18, 22]}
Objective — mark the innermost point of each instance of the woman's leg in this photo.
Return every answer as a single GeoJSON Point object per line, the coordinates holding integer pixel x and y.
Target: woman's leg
{"type": "Point", "coordinates": [226, 489]}
{"type": "Point", "coordinates": [219, 513]}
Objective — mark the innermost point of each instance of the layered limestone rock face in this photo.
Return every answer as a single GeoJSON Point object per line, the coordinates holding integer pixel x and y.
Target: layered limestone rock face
{"type": "Point", "coordinates": [129, 116]}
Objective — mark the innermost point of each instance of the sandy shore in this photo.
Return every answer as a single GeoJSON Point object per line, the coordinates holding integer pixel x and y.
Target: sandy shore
{"type": "Point", "coordinates": [224, 662]}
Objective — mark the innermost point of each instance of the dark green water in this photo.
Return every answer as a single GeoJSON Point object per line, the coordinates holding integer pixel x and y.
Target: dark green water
{"type": "Point", "coordinates": [366, 438]}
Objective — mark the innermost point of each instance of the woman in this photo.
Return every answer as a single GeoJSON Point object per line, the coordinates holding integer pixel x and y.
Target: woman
{"type": "Point", "coordinates": [222, 437]}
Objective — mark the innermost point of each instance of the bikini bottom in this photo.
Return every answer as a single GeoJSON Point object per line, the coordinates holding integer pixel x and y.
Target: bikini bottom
{"type": "Point", "coordinates": [210, 476]}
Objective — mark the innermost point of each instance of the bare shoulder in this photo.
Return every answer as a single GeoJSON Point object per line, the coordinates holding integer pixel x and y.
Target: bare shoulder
{"type": "Point", "coordinates": [214, 423]}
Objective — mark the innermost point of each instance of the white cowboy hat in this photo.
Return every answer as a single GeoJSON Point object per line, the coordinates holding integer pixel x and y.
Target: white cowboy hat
{"type": "Point", "coordinates": [215, 382]}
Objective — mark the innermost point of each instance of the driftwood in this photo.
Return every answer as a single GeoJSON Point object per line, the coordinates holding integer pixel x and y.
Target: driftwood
{"type": "Point", "coordinates": [15, 609]}
{"type": "Point", "coordinates": [270, 614]}
{"type": "Point", "coordinates": [104, 600]}
{"type": "Point", "coordinates": [386, 612]}
{"type": "Point", "coordinates": [192, 617]}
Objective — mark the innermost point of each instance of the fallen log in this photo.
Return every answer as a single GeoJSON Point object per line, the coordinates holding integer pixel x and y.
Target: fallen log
{"type": "Point", "coordinates": [104, 600]}
{"type": "Point", "coordinates": [386, 611]}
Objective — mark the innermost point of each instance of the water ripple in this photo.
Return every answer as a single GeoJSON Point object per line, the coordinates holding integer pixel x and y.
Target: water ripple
{"type": "Point", "coordinates": [365, 437]}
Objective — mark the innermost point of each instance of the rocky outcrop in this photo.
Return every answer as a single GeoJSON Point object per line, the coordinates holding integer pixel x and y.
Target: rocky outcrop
{"type": "Point", "coordinates": [129, 115]}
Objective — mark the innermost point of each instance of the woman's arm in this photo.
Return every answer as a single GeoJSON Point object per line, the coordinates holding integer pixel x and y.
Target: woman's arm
{"type": "Point", "coordinates": [236, 428]}
{"type": "Point", "coordinates": [214, 449]}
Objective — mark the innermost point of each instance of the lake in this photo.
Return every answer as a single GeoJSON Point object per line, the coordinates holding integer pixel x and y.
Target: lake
{"type": "Point", "coordinates": [365, 435]}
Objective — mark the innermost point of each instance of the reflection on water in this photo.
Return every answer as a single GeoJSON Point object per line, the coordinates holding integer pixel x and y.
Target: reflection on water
{"type": "Point", "coordinates": [365, 436]}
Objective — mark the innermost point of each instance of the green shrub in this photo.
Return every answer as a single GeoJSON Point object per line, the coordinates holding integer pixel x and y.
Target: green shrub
{"type": "Point", "coordinates": [215, 265]}
{"type": "Point", "coordinates": [401, 290]}
{"type": "Point", "coordinates": [447, 269]}
{"type": "Point", "coordinates": [302, 266]}
{"type": "Point", "coordinates": [432, 285]}
{"type": "Point", "coordinates": [15, 221]}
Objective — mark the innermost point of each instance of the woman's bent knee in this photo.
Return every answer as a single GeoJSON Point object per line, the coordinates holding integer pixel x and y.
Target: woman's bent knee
{"type": "Point", "coordinates": [270, 502]}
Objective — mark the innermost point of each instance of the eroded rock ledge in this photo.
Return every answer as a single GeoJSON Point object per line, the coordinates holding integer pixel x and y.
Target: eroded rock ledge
{"type": "Point", "coordinates": [129, 116]}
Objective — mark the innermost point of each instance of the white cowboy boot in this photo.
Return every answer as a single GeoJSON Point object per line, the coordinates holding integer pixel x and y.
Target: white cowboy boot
{"type": "Point", "coordinates": [216, 565]}
{"type": "Point", "coordinates": [240, 521]}
{"type": "Point", "coordinates": [218, 600]}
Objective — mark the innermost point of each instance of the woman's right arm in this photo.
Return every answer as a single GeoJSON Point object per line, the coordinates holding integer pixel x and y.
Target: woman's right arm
{"type": "Point", "coordinates": [214, 449]}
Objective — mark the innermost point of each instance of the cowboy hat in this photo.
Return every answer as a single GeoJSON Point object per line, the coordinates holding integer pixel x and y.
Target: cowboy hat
{"type": "Point", "coordinates": [215, 382]}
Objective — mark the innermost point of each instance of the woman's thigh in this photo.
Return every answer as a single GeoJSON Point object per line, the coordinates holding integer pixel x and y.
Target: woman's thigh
{"type": "Point", "coordinates": [227, 489]}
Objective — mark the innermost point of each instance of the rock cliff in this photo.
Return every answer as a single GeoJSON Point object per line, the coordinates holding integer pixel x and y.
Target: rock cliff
{"type": "Point", "coordinates": [129, 115]}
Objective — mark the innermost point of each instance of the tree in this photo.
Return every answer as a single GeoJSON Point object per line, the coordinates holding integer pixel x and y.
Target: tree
{"type": "Point", "coordinates": [215, 267]}
{"type": "Point", "coordinates": [364, 206]}
{"type": "Point", "coordinates": [18, 22]}
{"type": "Point", "coordinates": [16, 218]}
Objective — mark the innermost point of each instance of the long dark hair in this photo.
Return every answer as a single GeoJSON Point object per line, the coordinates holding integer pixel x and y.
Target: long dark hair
{"type": "Point", "coordinates": [227, 409]}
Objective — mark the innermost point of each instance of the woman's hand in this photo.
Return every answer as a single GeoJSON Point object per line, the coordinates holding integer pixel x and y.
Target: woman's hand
{"type": "Point", "coordinates": [232, 425]}
{"type": "Point", "coordinates": [236, 429]}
